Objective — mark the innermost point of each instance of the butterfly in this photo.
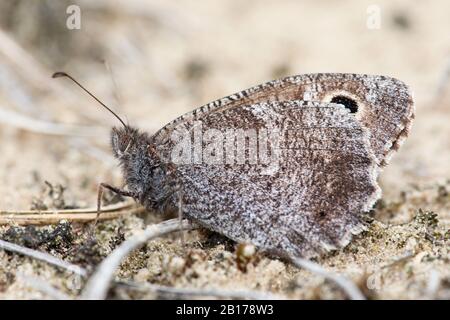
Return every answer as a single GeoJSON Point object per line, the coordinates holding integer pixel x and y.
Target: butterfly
{"type": "Point", "coordinates": [290, 165]}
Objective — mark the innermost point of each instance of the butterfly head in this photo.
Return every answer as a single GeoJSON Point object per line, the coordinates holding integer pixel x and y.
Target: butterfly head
{"type": "Point", "coordinates": [123, 141]}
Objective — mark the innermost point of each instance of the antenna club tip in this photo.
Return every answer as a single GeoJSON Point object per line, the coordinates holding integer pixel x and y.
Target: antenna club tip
{"type": "Point", "coordinates": [59, 74]}
{"type": "Point", "coordinates": [63, 74]}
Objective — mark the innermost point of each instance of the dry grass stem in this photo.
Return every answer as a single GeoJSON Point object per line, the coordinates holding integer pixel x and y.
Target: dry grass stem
{"type": "Point", "coordinates": [34, 217]}
{"type": "Point", "coordinates": [42, 256]}
{"type": "Point", "coordinates": [98, 284]}
{"type": "Point", "coordinates": [44, 287]}
{"type": "Point", "coordinates": [345, 284]}
{"type": "Point", "coordinates": [20, 121]}
{"type": "Point", "coordinates": [207, 292]}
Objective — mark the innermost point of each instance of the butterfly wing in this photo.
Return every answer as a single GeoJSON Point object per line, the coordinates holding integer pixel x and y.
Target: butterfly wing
{"type": "Point", "coordinates": [384, 105]}
{"type": "Point", "coordinates": [302, 193]}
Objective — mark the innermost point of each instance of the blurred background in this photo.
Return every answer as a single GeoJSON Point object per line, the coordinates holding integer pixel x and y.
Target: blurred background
{"type": "Point", "coordinates": [151, 61]}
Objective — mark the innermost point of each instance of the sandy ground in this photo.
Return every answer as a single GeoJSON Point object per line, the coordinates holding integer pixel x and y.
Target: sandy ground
{"type": "Point", "coordinates": [166, 59]}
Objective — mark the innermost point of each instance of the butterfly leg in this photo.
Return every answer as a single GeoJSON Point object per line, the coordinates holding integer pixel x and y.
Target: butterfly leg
{"type": "Point", "coordinates": [180, 216]}
{"type": "Point", "coordinates": [119, 191]}
{"type": "Point", "coordinates": [165, 201]}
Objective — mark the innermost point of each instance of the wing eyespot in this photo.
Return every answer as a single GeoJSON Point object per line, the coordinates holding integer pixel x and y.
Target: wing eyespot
{"type": "Point", "coordinates": [347, 102]}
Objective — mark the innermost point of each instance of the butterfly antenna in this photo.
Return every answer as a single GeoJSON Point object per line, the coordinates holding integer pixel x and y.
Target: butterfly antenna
{"type": "Point", "coordinates": [63, 74]}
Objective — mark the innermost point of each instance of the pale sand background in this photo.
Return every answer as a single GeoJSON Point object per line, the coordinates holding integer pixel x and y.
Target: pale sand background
{"type": "Point", "coordinates": [167, 58]}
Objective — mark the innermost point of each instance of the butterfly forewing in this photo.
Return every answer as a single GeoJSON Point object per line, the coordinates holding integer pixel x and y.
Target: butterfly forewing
{"type": "Point", "coordinates": [384, 105]}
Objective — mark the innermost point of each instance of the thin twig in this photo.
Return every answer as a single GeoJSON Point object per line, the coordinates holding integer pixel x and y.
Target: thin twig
{"type": "Point", "coordinates": [44, 287]}
{"type": "Point", "coordinates": [348, 286]}
{"type": "Point", "coordinates": [31, 70]}
{"type": "Point", "coordinates": [194, 292]}
{"type": "Point", "coordinates": [37, 76]}
{"type": "Point", "coordinates": [17, 95]}
{"type": "Point", "coordinates": [113, 207]}
{"type": "Point", "coordinates": [98, 284]}
{"type": "Point", "coordinates": [35, 217]}
{"type": "Point", "coordinates": [18, 120]}
{"type": "Point", "coordinates": [93, 151]}
{"type": "Point", "coordinates": [74, 132]}
{"type": "Point", "coordinates": [42, 256]}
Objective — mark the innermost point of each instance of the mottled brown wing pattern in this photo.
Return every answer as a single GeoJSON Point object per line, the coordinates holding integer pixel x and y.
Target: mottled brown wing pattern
{"type": "Point", "coordinates": [331, 159]}
{"type": "Point", "coordinates": [385, 105]}
{"type": "Point", "coordinates": [307, 201]}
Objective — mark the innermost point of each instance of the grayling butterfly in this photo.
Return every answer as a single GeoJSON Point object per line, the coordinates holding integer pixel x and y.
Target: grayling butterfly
{"type": "Point", "coordinates": [289, 165]}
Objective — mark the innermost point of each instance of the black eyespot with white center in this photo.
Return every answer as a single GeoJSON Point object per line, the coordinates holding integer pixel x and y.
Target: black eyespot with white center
{"type": "Point", "coordinates": [347, 102]}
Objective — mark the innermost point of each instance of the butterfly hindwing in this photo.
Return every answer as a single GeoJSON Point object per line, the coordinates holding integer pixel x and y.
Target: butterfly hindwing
{"type": "Point", "coordinates": [304, 194]}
